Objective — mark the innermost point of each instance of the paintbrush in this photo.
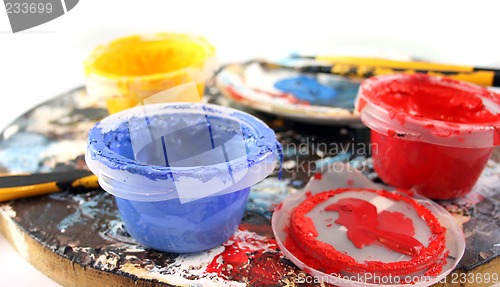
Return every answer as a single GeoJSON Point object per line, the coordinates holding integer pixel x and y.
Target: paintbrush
{"type": "Point", "coordinates": [387, 63]}
{"type": "Point", "coordinates": [368, 67]}
{"type": "Point", "coordinates": [26, 185]}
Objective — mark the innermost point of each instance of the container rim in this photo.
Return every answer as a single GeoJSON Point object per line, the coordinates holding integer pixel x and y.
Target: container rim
{"type": "Point", "coordinates": [377, 116]}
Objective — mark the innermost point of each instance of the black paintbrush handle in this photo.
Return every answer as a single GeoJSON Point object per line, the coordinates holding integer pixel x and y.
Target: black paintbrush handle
{"type": "Point", "coordinates": [63, 179]}
{"type": "Point", "coordinates": [18, 186]}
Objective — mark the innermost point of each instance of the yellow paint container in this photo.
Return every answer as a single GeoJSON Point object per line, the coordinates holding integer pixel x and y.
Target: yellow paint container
{"type": "Point", "coordinates": [128, 71]}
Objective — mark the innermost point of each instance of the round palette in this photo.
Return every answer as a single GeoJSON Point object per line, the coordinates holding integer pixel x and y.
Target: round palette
{"type": "Point", "coordinates": [314, 98]}
{"type": "Point", "coordinates": [368, 237]}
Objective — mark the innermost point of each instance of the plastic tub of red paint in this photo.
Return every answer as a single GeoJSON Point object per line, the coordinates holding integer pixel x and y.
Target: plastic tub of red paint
{"type": "Point", "coordinates": [181, 172]}
{"type": "Point", "coordinates": [432, 134]}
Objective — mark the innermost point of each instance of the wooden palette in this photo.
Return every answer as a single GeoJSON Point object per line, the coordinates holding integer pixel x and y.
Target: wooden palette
{"type": "Point", "coordinates": [78, 238]}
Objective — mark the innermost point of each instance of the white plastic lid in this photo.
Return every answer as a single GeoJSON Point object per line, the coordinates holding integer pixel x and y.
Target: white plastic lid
{"type": "Point", "coordinates": [385, 120]}
{"type": "Point", "coordinates": [340, 175]}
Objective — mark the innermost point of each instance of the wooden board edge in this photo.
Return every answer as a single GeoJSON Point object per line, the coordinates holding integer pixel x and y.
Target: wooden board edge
{"type": "Point", "coordinates": [68, 273]}
{"type": "Point", "coordinates": [61, 269]}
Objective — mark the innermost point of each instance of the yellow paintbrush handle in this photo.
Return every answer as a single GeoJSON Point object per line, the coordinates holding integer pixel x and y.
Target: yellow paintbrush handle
{"type": "Point", "coordinates": [20, 186]}
{"type": "Point", "coordinates": [483, 78]}
{"type": "Point", "coordinates": [10, 193]}
{"type": "Point", "coordinates": [385, 63]}
{"type": "Point", "coordinates": [90, 181]}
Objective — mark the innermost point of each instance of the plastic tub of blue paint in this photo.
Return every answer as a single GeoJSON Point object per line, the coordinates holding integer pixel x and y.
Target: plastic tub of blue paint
{"type": "Point", "coordinates": [181, 172]}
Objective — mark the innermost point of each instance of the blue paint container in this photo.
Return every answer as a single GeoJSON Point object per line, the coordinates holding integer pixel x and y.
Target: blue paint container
{"type": "Point", "coordinates": [181, 172]}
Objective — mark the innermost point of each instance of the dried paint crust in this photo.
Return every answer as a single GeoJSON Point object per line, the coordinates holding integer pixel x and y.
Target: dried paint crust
{"type": "Point", "coordinates": [324, 257]}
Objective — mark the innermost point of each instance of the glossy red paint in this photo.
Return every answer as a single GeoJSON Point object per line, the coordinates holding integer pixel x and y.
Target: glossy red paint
{"type": "Point", "coordinates": [302, 242]}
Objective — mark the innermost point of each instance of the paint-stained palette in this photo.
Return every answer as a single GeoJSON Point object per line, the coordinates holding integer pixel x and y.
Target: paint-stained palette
{"type": "Point", "coordinates": [312, 98]}
{"type": "Point", "coordinates": [79, 239]}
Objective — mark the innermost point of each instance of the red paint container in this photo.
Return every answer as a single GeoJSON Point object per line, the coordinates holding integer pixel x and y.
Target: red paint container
{"type": "Point", "coordinates": [432, 134]}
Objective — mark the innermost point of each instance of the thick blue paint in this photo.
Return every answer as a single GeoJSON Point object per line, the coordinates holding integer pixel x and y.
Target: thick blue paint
{"type": "Point", "coordinates": [333, 92]}
{"type": "Point", "coordinates": [190, 227]}
{"type": "Point", "coordinates": [22, 152]}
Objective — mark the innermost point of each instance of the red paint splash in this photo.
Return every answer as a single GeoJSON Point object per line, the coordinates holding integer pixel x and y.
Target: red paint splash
{"type": "Point", "coordinates": [278, 207]}
{"type": "Point", "coordinates": [496, 136]}
{"type": "Point", "coordinates": [235, 93]}
{"type": "Point", "coordinates": [287, 96]}
{"type": "Point", "coordinates": [366, 227]}
{"type": "Point", "coordinates": [408, 192]}
{"type": "Point", "coordinates": [251, 256]}
{"type": "Point", "coordinates": [318, 176]}
{"type": "Point", "coordinates": [350, 182]}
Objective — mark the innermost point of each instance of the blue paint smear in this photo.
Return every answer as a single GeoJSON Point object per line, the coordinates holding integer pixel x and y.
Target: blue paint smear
{"type": "Point", "coordinates": [265, 195]}
{"type": "Point", "coordinates": [323, 163]}
{"type": "Point", "coordinates": [334, 92]}
{"type": "Point", "coordinates": [23, 152]}
{"type": "Point", "coordinates": [87, 209]}
{"type": "Point", "coordinates": [70, 220]}
{"type": "Point", "coordinates": [307, 89]}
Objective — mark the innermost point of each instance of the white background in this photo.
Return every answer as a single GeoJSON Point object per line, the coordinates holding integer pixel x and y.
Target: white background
{"type": "Point", "coordinates": [45, 61]}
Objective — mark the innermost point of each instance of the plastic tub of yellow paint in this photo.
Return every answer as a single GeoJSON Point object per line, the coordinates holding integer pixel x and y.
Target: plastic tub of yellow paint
{"type": "Point", "coordinates": [129, 70]}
